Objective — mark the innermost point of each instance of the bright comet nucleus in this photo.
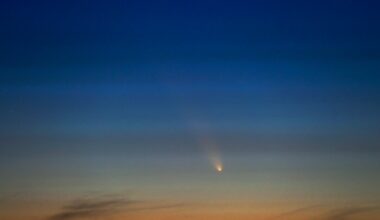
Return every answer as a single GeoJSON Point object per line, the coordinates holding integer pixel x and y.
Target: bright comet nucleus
{"type": "Point", "coordinates": [219, 168]}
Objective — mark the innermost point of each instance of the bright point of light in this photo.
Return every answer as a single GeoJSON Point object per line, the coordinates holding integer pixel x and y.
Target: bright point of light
{"type": "Point", "coordinates": [219, 168]}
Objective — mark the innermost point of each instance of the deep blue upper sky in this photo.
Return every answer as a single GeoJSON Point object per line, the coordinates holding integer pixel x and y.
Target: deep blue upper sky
{"type": "Point", "coordinates": [296, 73]}
{"type": "Point", "coordinates": [40, 38]}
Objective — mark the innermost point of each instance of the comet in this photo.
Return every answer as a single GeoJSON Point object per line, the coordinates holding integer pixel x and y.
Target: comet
{"type": "Point", "coordinates": [208, 144]}
{"type": "Point", "coordinates": [216, 160]}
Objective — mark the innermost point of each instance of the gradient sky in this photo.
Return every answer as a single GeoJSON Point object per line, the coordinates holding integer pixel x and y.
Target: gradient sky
{"type": "Point", "coordinates": [118, 110]}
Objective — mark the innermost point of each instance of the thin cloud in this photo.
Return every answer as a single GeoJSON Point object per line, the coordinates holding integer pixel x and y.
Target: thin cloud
{"type": "Point", "coordinates": [168, 206]}
{"type": "Point", "coordinates": [297, 211]}
{"type": "Point", "coordinates": [91, 208]}
{"type": "Point", "coordinates": [346, 213]}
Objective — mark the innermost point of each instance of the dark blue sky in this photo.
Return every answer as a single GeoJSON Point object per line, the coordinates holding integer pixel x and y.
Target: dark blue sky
{"type": "Point", "coordinates": [40, 38]}
{"type": "Point", "coordinates": [304, 71]}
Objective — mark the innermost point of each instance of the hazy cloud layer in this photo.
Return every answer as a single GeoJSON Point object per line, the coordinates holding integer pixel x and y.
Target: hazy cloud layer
{"type": "Point", "coordinates": [346, 213]}
{"type": "Point", "coordinates": [297, 211]}
{"type": "Point", "coordinates": [331, 214]}
{"type": "Point", "coordinates": [91, 208]}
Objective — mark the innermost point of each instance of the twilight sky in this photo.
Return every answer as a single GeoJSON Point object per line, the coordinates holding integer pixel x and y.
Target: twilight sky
{"type": "Point", "coordinates": [123, 109]}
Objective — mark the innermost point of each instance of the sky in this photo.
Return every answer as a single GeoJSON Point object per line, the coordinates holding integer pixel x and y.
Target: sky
{"type": "Point", "coordinates": [189, 110]}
